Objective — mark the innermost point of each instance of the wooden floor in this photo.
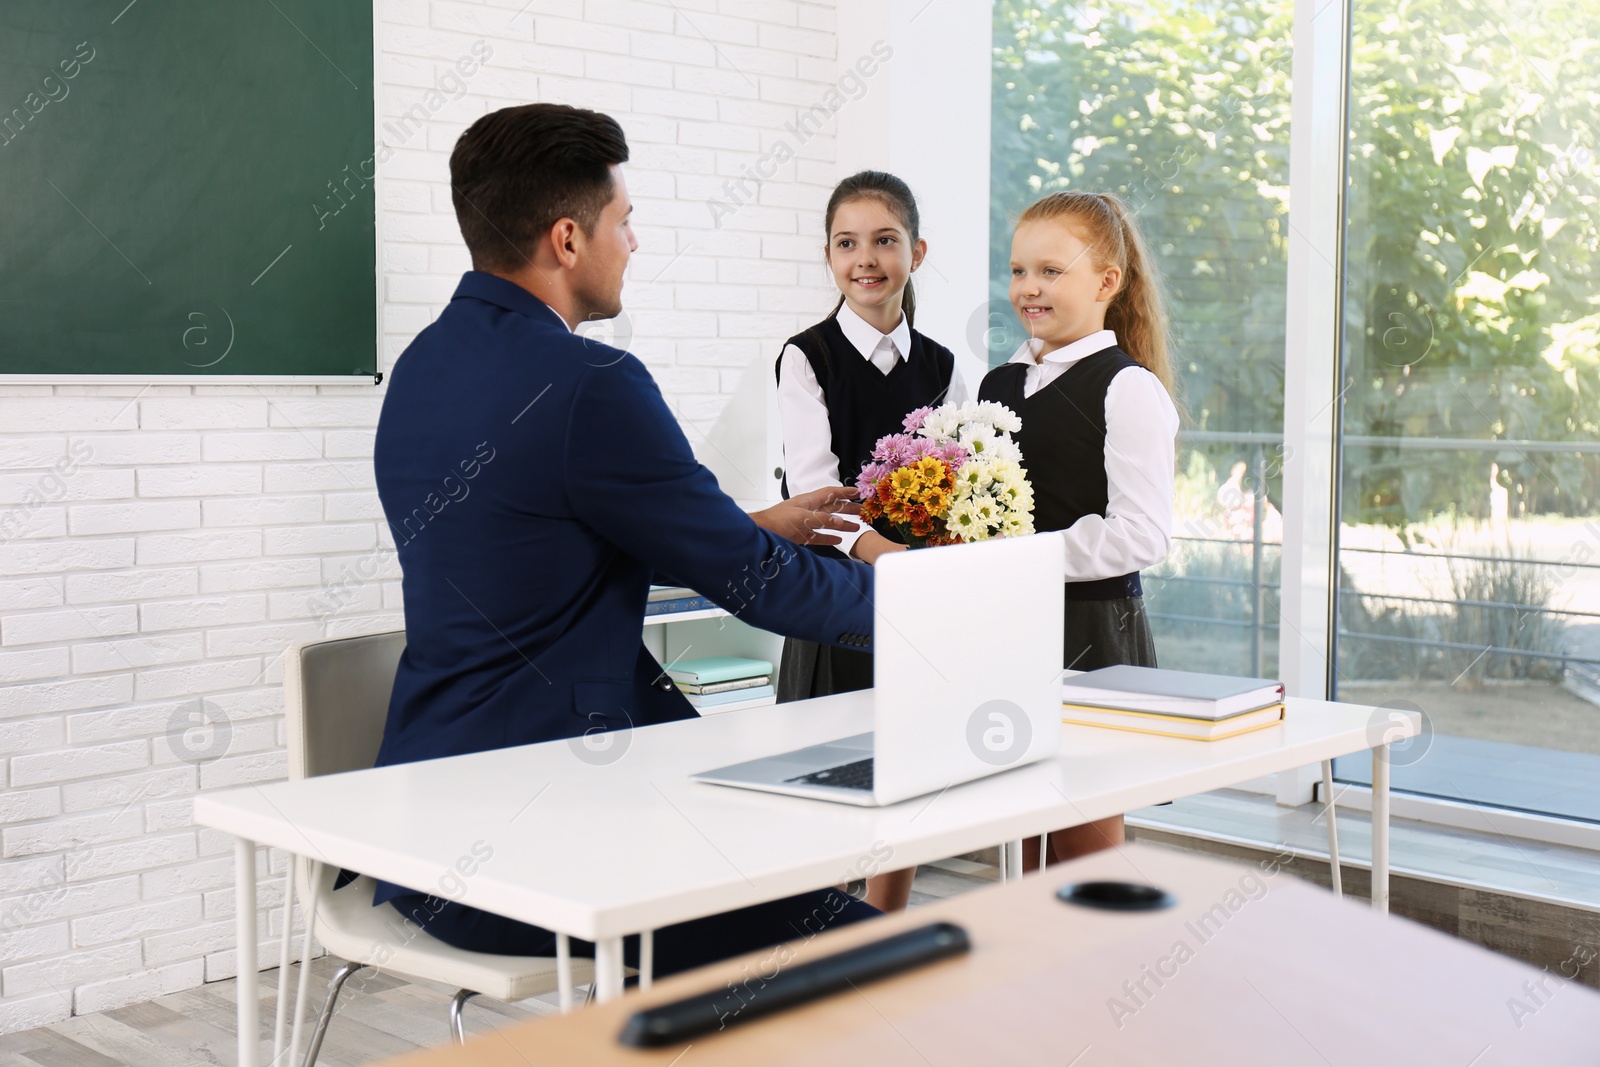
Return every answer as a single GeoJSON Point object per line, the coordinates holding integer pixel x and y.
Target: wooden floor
{"type": "Point", "coordinates": [380, 1017]}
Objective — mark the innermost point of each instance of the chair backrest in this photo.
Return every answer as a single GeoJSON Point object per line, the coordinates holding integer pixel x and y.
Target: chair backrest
{"type": "Point", "coordinates": [336, 698]}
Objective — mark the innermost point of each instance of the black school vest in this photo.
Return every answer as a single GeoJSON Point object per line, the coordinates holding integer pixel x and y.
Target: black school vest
{"type": "Point", "coordinates": [1063, 442]}
{"type": "Point", "coordinates": [865, 404]}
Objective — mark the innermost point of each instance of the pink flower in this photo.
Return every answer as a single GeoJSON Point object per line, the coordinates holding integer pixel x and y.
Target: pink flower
{"type": "Point", "coordinates": [914, 420]}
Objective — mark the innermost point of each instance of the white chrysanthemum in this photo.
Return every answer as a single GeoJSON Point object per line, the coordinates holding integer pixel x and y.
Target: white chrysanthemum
{"type": "Point", "coordinates": [984, 421]}
{"type": "Point", "coordinates": [973, 472]}
{"type": "Point", "coordinates": [967, 524]}
{"type": "Point", "coordinates": [977, 435]}
{"type": "Point", "coordinates": [1005, 471]}
{"type": "Point", "coordinates": [1005, 450]}
{"type": "Point", "coordinates": [962, 519]}
{"type": "Point", "coordinates": [990, 444]}
{"type": "Point", "coordinates": [1002, 417]}
{"type": "Point", "coordinates": [1017, 526]}
{"type": "Point", "coordinates": [941, 423]}
{"type": "Point", "coordinates": [992, 496]}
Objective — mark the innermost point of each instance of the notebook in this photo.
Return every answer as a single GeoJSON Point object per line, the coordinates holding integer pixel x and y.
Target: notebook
{"type": "Point", "coordinates": [1167, 692]}
{"type": "Point", "coordinates": [732, 696]}
{"type": "Point", "coordinates": [715, 669]}
{"type": "Point", "coordinates": [1144, 722]}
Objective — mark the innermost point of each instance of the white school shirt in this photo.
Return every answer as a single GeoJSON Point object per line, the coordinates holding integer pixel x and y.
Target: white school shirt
{"type": "Point", "coordinates": [1141, 460]}
{"type": "Point", "coordinates": [808, 459]}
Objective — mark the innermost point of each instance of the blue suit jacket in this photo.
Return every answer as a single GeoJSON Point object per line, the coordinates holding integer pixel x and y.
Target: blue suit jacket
{"type": "Point", "coordinates": [534, 481]}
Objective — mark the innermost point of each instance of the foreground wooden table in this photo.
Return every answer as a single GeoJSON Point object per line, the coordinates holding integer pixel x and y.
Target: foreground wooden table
{"type": "Point", "coordinates": [1250, 967]}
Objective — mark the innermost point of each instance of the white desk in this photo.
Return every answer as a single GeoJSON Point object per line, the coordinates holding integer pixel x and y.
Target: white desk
{"type": "Point", "coordinates": [601, 850]}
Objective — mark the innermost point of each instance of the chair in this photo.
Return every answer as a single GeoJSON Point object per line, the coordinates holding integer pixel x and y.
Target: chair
{"type": "Point", "coordinates": [336, 698]}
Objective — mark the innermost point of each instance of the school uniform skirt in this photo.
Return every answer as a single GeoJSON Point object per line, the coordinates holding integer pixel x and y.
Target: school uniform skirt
{"type": "Point", "coordinates": [1105, 633]}
{"type": "Point", "coordinates": [808, 670]}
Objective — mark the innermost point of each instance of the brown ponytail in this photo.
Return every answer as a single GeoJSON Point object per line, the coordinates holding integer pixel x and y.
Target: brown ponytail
{"type": "Point", "coordinates": [895, 195]}
{"type": "Point", "coordinates": [1136, 314]}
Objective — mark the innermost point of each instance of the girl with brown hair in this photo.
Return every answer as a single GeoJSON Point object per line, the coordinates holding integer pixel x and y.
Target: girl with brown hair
{"type": "Point", "coordinates": [844, 383]}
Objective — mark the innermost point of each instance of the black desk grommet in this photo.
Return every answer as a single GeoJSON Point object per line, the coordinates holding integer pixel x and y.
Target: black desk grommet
{"type": "Point", "coordinates": [1116, 896]}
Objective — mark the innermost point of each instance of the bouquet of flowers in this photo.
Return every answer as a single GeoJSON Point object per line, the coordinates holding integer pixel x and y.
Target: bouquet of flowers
{"type": "Point", "coordinates": [954, 475]}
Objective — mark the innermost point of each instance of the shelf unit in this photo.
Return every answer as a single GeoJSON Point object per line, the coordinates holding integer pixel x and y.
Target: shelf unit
{"type": "Point", "coordinates": [710, 632]}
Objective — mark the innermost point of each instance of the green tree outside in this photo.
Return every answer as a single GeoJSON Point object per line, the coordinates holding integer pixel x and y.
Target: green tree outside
{"type": "Point", "coordinates": [1472, 235]}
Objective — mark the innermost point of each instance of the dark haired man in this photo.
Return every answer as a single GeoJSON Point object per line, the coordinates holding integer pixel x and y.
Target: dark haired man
{"type": "Point", "coordinates": [534, 480]}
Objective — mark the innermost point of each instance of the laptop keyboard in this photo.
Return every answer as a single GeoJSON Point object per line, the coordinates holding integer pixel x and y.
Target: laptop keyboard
{"type": "Point", "coordinates": [857, 775]}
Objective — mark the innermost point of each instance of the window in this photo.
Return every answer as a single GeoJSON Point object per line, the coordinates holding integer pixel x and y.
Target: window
{"type": "Point", "coordinates": [1181, 109]}
{"type": "Point", "coordinates": [1467, 538]}
{"type": "Point", "coordinates": [1468, 546]}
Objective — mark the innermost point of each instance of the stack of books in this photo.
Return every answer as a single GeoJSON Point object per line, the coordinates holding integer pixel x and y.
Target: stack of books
{"type": "Point", "coordinates": [724, 683]}
{"type": "Point", "coordinates": [1204, 707]}
{"type": "Point", "coordinates": [671, 599]}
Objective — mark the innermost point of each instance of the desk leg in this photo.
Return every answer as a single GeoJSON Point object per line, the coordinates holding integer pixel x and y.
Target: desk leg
{"type": "Point", "coordinates": [244, 907]}
{"type": "Point", "coordinates": [563, 973]}
{"type": "Point", "coordinates": [1333, 828]}
{"type": "Point", "coordinates": [280, 1015]}
{"type": "Point", "coordinates": [608, 968]}
{"type": "Point", "coordinates": [1380, 828]}
{"type": "Point", "coordinates": [301, 986]}
{"type": "Point", "coordinates": [647, 958]}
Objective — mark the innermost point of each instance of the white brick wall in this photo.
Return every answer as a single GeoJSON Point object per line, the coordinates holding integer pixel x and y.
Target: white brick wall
{"type": "Point", "coordinates": [160, 545]}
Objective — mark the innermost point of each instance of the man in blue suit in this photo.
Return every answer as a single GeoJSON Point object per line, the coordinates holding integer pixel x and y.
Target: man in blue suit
{"type": "Point", "coordinates": [535, 480]}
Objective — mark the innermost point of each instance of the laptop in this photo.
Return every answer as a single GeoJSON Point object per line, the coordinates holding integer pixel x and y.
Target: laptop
{"type": "Point", "coordinates": [966, 678]}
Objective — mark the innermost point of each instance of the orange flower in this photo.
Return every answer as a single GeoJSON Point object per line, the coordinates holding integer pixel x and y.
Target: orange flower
{"type": "Point", "coordinates": [916, 499]}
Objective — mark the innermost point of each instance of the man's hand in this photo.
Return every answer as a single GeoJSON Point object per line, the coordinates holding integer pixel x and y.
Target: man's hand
{"type": "Point", "coordinates": [804, 518]}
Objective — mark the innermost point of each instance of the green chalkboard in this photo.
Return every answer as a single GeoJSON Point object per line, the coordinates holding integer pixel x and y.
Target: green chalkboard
{"type": "Point", "coordinates": [186, 187]}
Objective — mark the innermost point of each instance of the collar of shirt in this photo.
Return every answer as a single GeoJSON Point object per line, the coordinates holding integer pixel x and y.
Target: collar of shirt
{"type": "Point", "coordinates": [865, 338]}
{"type": "Point", "coordinates": [1083, 346]}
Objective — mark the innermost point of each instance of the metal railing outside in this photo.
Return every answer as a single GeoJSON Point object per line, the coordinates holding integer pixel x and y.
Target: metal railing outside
{"type": "Point", "coordinates": [1258, 622]}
